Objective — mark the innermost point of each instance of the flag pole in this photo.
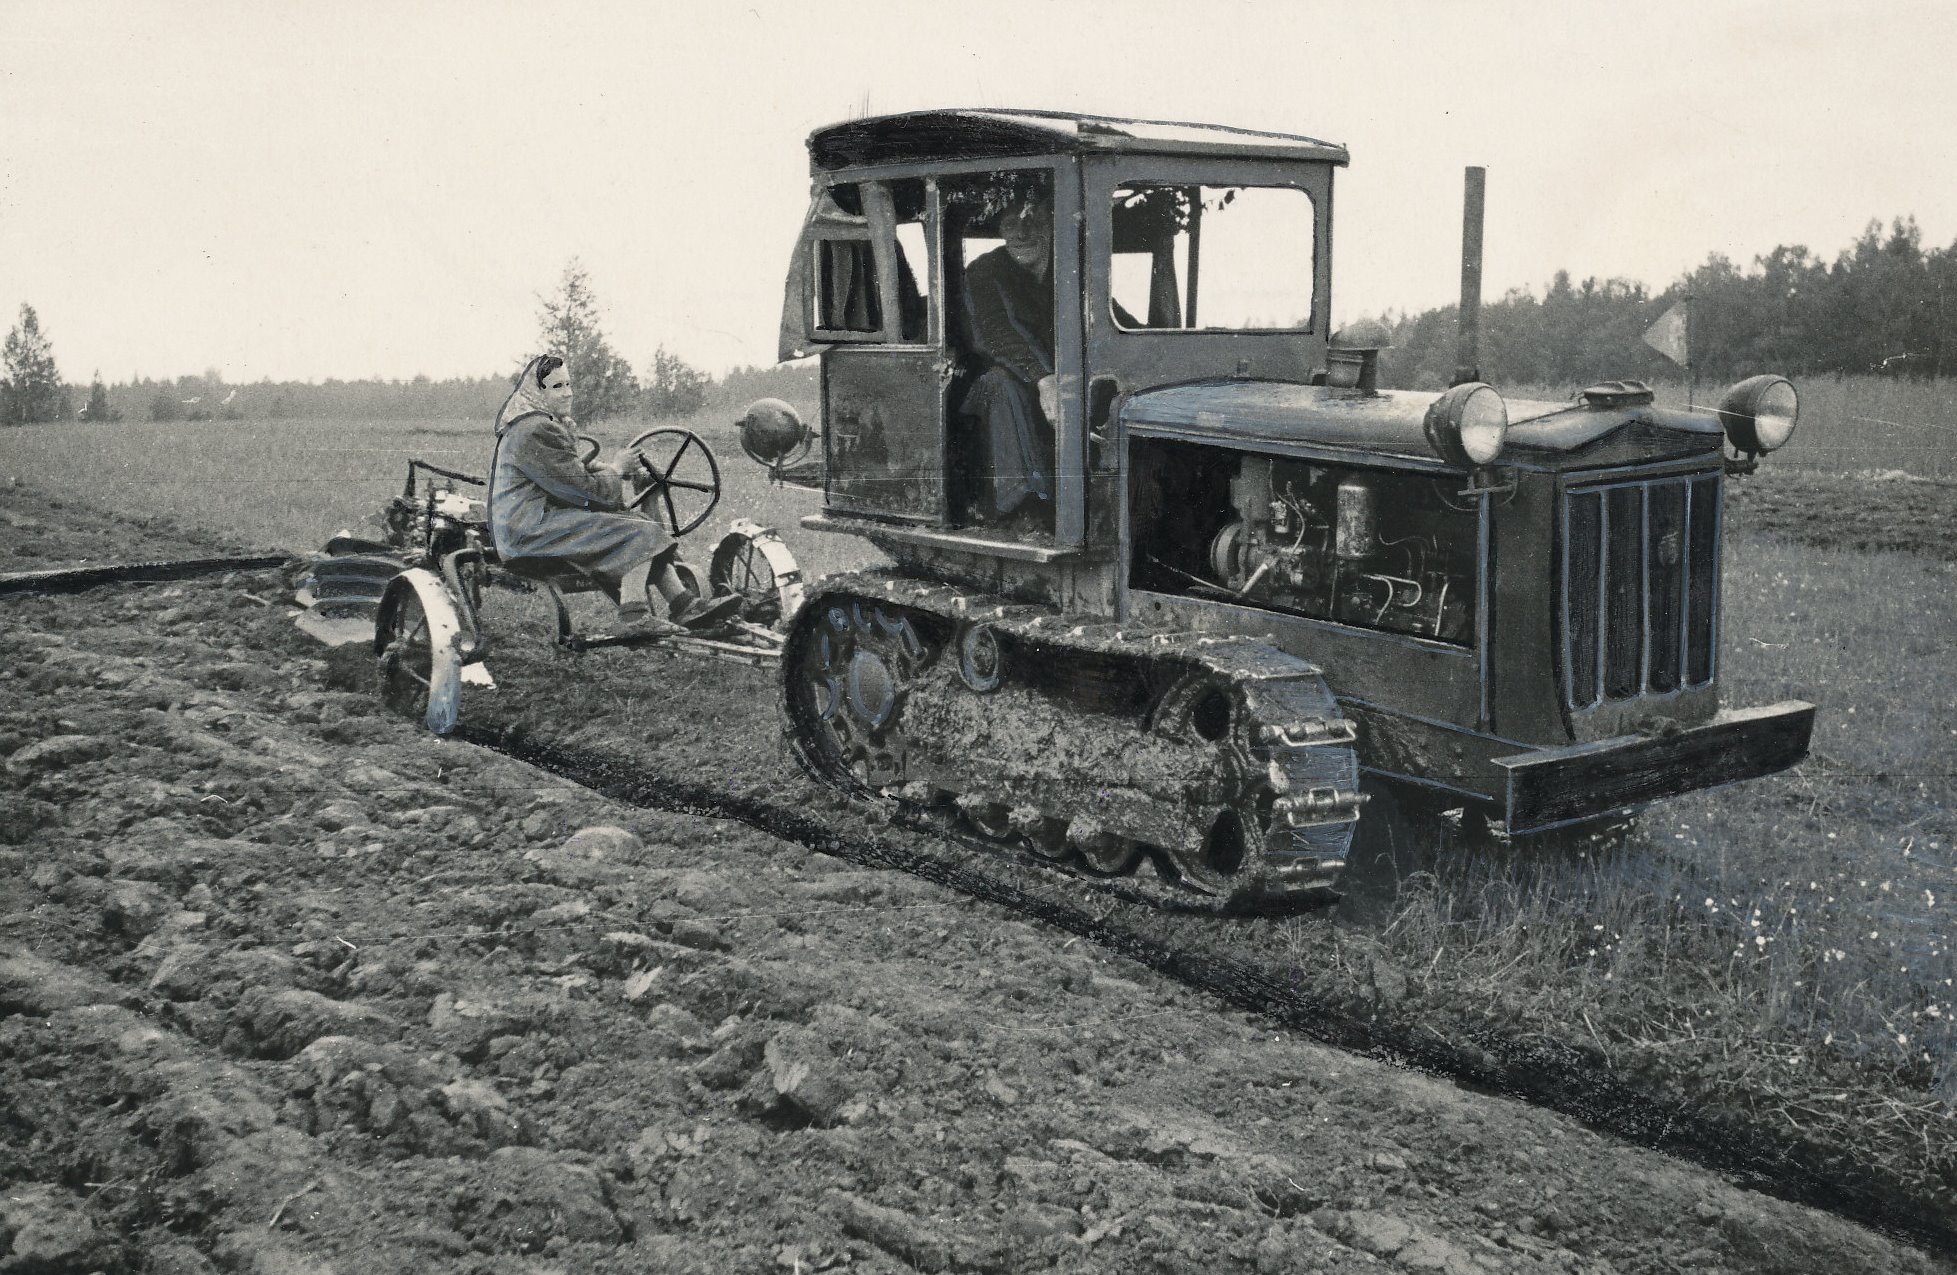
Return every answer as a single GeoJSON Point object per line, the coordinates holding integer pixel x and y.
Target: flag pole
{"type": "Point", "coordinates": [1691, 365]}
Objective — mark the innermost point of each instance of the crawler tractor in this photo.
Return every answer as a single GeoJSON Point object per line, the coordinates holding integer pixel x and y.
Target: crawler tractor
{"type": "Point", "coordinates": [1257, 575]}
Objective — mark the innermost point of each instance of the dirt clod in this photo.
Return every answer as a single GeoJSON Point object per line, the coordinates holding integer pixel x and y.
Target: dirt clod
{"type": "Point", "coordinates": [806, 1080]}
{"type": "Point", "coordinates": [620, 845]}
{"type": "Point", "coordinates": [135, 908]}
{"type": "Point", "coordinates": [30, 984]}
{"type": "Point", "coordinates": [527, 1198]}
{"type": "Point", "coordinates": [912, 1239]}
{"type": "Point", "coordinates": [1377, 1233]}
{"type": "Point", "coordinates": [57, 753]}
{"type": "Point", "coordinates": [278, 1024]}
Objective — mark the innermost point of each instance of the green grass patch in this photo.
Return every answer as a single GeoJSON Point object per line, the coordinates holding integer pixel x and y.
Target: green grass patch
{"type": "Point", "coordinates": [1779, 949]}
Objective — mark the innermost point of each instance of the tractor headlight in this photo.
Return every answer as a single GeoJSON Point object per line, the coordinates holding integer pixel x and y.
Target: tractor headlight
{"type": "Point", "coordinates": [1758, 413]}
{"type": "Point", "coordinates": [1468, 424]}
{"type": "Point", "coordinates": [773, 434]}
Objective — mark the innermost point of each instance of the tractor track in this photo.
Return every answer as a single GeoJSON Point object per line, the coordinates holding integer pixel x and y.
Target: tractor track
{"type": "Point", "coordinates": [1556, 1075]}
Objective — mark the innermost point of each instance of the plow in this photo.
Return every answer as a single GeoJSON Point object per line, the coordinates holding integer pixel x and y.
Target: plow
{"type": "Point", "coordinates": [417, 593]}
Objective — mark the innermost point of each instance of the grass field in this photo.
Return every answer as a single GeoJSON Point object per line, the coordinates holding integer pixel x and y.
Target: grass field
{"type": "Point", "coordinates": [290, 484]}
{"type": "Point", "coordinates": [1778, 926]}
{"type": "Point", "coordinates": [1788, 938]}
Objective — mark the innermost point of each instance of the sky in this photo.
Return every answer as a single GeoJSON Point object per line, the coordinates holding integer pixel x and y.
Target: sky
{"type": "Point", "coordinates": [309, 190]}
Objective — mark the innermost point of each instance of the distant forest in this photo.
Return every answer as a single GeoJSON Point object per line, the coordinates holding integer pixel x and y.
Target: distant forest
{"type": "Point", "coordinates": [210, 397]}
{"type": "Point", "coordinates": [1884, 305]}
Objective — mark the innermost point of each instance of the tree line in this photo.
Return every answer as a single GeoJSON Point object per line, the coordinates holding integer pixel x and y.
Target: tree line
{"type": "Point", "coordinates": [569, 324]}
{"type": "Point", "coordinates": [1883, 305]}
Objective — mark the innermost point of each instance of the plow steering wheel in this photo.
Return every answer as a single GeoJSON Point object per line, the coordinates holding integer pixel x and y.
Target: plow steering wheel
{"type": "Point", "coordinates": [677, 488]}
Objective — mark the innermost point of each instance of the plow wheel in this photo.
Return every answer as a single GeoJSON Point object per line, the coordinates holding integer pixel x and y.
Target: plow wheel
{"type": "Point", "coordinates": [414, 645]}
{"type": "Point", "coordinates": [752, 561]}
{"type": "Point", "coordinates": [848, 670]}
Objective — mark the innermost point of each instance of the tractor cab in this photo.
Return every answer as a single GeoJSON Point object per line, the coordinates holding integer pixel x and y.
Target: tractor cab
{"type": "Point", "coordinates": [983, 285]}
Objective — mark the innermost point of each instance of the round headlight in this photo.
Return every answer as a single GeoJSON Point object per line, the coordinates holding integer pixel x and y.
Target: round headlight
{"type": "Point", "coordinates": [771, 431]}
{"type": "Point", "coordinates": [1468, 424]}
{"type": "Point", "coordinates": [1758, 414]}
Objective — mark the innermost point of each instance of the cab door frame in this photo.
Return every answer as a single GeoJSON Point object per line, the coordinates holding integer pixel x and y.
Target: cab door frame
{"type": "Point", "coordinates": [1070, 457]}
{"type": "Point", "coordinates": [859, 357]}
{"type": "Point", "coordinates": [883, 397]}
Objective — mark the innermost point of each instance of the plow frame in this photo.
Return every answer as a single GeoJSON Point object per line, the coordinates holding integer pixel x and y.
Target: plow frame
{"type": "Point", "coordinates": [447, 564]}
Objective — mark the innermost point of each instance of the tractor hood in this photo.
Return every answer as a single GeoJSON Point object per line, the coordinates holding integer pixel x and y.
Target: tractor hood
{"type": "Point", "coordinates": [1280, 416]}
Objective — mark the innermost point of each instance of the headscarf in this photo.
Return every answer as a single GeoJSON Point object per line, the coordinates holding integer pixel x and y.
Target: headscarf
{"type": "Point", "coordinates": [527, 397]}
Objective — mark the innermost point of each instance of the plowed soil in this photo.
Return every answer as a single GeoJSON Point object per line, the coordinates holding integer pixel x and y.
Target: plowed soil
{"type": "Point", "coordinates": [287, 985]}
{"type": "Point", "coordinates": [1883, 511]}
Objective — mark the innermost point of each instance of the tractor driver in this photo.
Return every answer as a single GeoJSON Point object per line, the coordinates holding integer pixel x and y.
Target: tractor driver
{"type": "Point", "coordinates": [1009, 408]}
{"type": "Point", "coordinates": [547, 502]}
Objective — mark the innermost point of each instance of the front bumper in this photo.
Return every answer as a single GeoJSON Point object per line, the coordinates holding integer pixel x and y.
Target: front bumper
{"type": "Point", "coordinates": [1551, 786]}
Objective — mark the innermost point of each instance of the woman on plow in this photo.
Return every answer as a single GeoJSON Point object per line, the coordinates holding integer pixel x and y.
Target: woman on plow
{"type": "Point", "coordinates": [547, 502]}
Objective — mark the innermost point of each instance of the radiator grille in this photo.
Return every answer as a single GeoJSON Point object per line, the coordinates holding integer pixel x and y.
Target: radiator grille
{"type": "Point", "coordinates": [1640, 587]}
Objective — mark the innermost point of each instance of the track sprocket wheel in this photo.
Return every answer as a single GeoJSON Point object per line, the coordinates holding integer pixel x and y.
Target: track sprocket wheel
{"type": "Point", "coordinates": [848, 672]}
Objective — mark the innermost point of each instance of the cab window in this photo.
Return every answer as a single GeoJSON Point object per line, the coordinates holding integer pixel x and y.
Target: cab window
{"type": "Point", "coordinates": [852, 223]}
{"type": "Point", "coordinates": [1232, 258]}
{"type": "Point", "coordinates": [846, 286]}
{"type": "Point", "coordinates": [914, 274]}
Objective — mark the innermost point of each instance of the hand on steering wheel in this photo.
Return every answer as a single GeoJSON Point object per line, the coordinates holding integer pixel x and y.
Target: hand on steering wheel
{"type": "Point", "coordinates": [670, 470]}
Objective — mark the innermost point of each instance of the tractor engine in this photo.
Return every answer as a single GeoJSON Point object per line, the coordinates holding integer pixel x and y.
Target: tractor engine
{"type": "Point", "coordinates": [1360, 546]}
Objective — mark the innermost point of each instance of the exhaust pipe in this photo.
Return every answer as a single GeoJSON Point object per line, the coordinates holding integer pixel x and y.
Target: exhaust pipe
{"type": "Point", "coordinates": [1467, 344]}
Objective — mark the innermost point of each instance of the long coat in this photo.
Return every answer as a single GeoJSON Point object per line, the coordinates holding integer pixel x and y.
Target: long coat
{"type": "Point", "coordinates": [1009, 325]}
{"type": "Point", "coordinates": [546, 503]}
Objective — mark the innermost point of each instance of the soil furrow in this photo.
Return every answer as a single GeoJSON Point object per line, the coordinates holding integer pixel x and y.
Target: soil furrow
{"type": "Point", "coordinates": [1555, 1074]}
{"type": "Point", "coordinates": [77, 579]}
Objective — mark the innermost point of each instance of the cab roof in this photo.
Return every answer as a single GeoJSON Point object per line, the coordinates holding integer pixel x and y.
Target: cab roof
{"type": "Point", "coordinates": [957, 134]}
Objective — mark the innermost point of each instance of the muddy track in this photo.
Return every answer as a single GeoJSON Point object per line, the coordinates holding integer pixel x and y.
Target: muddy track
{"type": "Point", "coordinates": [1560, 1076]}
